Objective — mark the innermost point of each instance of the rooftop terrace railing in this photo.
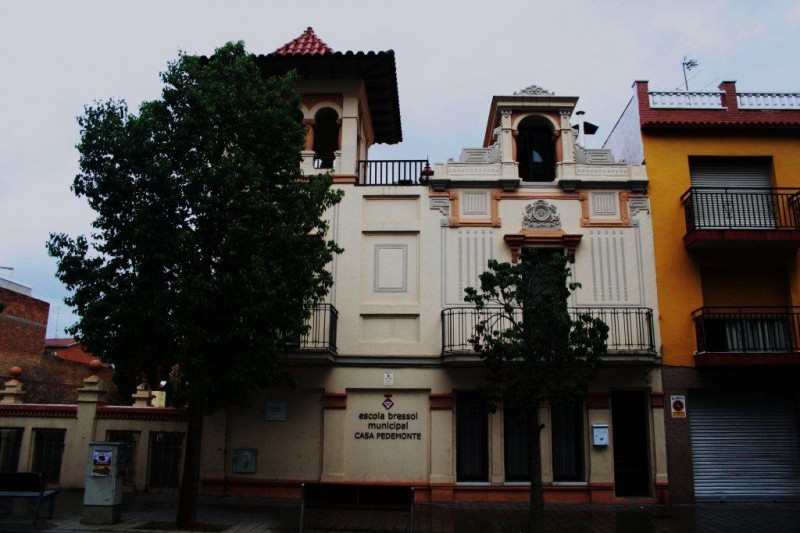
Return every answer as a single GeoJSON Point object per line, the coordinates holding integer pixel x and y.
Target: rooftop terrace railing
{"type": "Point", "coordinates": [768, 101]}
{"type": "Point", "coordinates": [685, 100]}
{"type": "Point", "coordinates": [393, 172]}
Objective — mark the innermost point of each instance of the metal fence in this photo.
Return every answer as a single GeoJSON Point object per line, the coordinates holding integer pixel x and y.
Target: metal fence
{"type": "Point", "coordinates": [321, 333]}
{"type": "Point", "coordinates": [48, 448]}
{"type": "Point", "coordinates": [127, 453]}
{"type": "Point", "coordinates": [747, 329]}
{"type": "Point", "coordinates": [630, 329]}
{"type": "Point", "coordinates": [741, 208]}
{"type": "Point", "coordinates": [166, 450]}
{"type": "Point", "coordinates": [394, 172]}
{"type": "Point", "coordinates": [10, 443]}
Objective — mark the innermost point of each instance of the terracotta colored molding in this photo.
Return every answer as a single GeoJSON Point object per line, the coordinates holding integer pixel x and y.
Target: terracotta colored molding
{"type": "Point", "coordinates": [345, 179]}
{"type": "Point", "coordinates": [657, 400]}
{"type": "Point", "coordinates": [623, 221]}
{"type": "Point", "coordinates": [441, 402]}
{"type": "Point", "coordinates": [333, 400]}
{"type": "Point", "coordinates": [597, 400]}
{"type": "Point", "coordinates": [119, 412]}
{"type": "Point", "coordinates": [517, 241]}
{"type": "Point", "coordinates": [35, 410]}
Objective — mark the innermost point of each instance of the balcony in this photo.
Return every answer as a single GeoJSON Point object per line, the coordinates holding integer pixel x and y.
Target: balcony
{"type": "Point", "coordinates": [394, 172]}
{"type": "Point", "coordinates": [630, 332]}
{"type": "Point", "coordinates": [742, 336]}
{"type": "Point", "coordinates": [741, 217]}
{"type": "Point", "coordinates": [319, 342]}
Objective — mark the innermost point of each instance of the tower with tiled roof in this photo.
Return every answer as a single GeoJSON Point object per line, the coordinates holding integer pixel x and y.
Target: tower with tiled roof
{"type": "Point", "coordinates": [349, 102]}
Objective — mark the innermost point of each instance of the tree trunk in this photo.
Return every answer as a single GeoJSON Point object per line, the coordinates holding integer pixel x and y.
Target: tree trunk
{"type": "Point", "coordinates": [190, 483]}
{"type": "Point", "coordinates": [536, 505]}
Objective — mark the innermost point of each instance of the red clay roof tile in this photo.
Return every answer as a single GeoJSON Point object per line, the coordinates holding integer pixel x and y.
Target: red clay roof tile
{"type": "Point", "coordinates": [307, 44]}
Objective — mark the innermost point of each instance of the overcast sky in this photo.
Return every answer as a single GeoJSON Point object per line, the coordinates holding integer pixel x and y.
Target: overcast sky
{"type": "Point", "coordinates": [452, 56]}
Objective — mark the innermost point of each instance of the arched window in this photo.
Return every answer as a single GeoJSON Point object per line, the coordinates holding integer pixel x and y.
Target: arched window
{"type": "Point", "coordinates": [326, 137]}
{"type": "Point", "coordinates": [536, 152]}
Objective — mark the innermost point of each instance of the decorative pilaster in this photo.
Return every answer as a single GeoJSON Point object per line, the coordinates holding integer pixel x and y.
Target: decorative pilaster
{"type": "Point", "coordinates": [309, 124]}
{"type": "Point", "coordinates": [143, 395]}
{"type": "Point", "coordinates": [13, 393]}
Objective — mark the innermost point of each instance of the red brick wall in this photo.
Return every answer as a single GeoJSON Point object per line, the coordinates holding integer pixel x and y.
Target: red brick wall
{"type": "Point", "coordinates": [23, 325]}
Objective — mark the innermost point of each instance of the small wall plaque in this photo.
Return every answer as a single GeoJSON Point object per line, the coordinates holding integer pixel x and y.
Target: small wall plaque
{"type": "Point", "coordinates": [276, 410]}
{"type": "Point", "coordinates": [245, 461]}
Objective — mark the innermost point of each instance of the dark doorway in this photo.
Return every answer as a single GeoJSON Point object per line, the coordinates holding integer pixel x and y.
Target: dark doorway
{"type": "Point", "coordinates": [516, 440]}
{"type": "Point", "coordinates": [326, 137]}
{"type": "Point", "coordinates": [631, 457]}
{"type": "Point", "coordinates": [472, 437]}
{"type": "Point", "coordinates": [536, 153]}
{"type": "Point", "coordinates": [566, 423]}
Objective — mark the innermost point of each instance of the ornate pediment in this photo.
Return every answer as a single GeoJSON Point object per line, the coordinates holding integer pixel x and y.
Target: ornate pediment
{"type": "Point", "coordinates": [534, 90]}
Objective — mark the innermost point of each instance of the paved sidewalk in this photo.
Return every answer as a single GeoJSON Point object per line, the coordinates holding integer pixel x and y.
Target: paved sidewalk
{"type": "Point", "coordinates": [143, 512]}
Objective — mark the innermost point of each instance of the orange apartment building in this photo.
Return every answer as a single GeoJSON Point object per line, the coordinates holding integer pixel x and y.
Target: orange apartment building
{"type": "Point", "coordinates": [725, 199]}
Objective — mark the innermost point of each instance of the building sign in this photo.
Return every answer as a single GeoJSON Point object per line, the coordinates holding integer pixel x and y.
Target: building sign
{"type": "Point", "coordinates": [678, 405]}
{"type": "Point", "coordinates": [388, 426]}
{"type": "Point", "coordinates": [388, 378]}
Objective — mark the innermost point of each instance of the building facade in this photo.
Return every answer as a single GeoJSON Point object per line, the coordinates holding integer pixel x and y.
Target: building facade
{"type": "Point", "coordinates": [386, 377]}
{"type": "Point", "coordinates": [23, 326]}
{"type": "Point", "coordinates": [723, 183]}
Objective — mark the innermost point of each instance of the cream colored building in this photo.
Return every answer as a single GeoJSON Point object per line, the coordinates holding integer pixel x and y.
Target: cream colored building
{"type": "Point", "coordinates": [386, 378]}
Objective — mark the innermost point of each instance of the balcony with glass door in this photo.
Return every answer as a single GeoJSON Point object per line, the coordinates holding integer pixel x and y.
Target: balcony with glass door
{"type": "Point", "coordinates": [736, 336]}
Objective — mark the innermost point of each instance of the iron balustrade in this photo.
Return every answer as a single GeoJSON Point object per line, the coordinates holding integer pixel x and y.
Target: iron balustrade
{"type": "Point", "coordinates": [630, 329]}
{"type": "Point", "coordinates": [391, 172]}
{"type": "Point", "coordinates": [747, 329]}
{"type": "Point", "coordinates": [321, 332]}
{"type": "Point", "coordinates": [708, 208]}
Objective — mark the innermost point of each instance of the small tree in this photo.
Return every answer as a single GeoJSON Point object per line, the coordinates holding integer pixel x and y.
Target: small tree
{"type": "Point", "coordinates": [208, 246]}
{"type": "Point", "coordinates": [533, 350]}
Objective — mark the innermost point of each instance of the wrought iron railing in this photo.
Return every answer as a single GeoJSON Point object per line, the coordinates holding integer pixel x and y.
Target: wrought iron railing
{"type": "Point", "coordinates": [394, 172]}
{"type": "Point", "coordinates": [321, 333]}
{"type": "Point", "coordinates": [747, 329]}
{"type": "Point", "coordinates": [630, 329]}
{"type": "Point", "coordinates": [741, 208]}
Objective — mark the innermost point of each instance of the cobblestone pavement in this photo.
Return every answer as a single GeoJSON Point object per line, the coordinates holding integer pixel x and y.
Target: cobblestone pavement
{"type": "Point", "coordinates": [145, 512]}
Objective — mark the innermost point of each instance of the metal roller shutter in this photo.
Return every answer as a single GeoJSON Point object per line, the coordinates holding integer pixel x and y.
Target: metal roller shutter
{"type": "Point", "coordinates": [724, 172]}
{"type": "Point", "coordinates": [720, 203]}
{"type": "Point", "coordinates": [744, 445]}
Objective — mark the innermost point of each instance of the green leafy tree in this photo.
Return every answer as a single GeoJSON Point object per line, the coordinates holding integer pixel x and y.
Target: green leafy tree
{"type": "Point", "coordinates": [534, 351]}
{"type": "Point", "coordinates": [208, 245]}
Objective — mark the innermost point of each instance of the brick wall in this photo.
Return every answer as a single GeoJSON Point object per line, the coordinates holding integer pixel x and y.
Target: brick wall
{"type": "Point", "coordinates": [23, 325]}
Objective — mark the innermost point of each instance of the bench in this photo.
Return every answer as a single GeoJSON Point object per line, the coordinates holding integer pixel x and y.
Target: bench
{"type": "Point", "coordinates": [27, 485]}
{"type": "Point", "coordinates": [354, 496]}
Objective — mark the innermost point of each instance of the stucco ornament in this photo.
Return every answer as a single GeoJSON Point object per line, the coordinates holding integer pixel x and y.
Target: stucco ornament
{"type": "Point", "coordinates": [534, 90]}
{"type": "Point", "coordinates": [541, 214]}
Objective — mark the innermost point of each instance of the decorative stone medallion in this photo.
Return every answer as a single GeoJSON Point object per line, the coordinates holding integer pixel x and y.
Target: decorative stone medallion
{"type": "Point", "coordinates": [541, 214]}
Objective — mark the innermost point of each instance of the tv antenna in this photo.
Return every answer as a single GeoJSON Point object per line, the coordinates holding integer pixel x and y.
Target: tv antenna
{"type": "Point", "coordinates": [688, 64]}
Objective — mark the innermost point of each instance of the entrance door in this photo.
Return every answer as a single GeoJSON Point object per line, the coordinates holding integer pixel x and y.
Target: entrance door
{"type": "Point", "coordinates": [472, 437]}
{"type": "Point", "coordinates": [631, 455]}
